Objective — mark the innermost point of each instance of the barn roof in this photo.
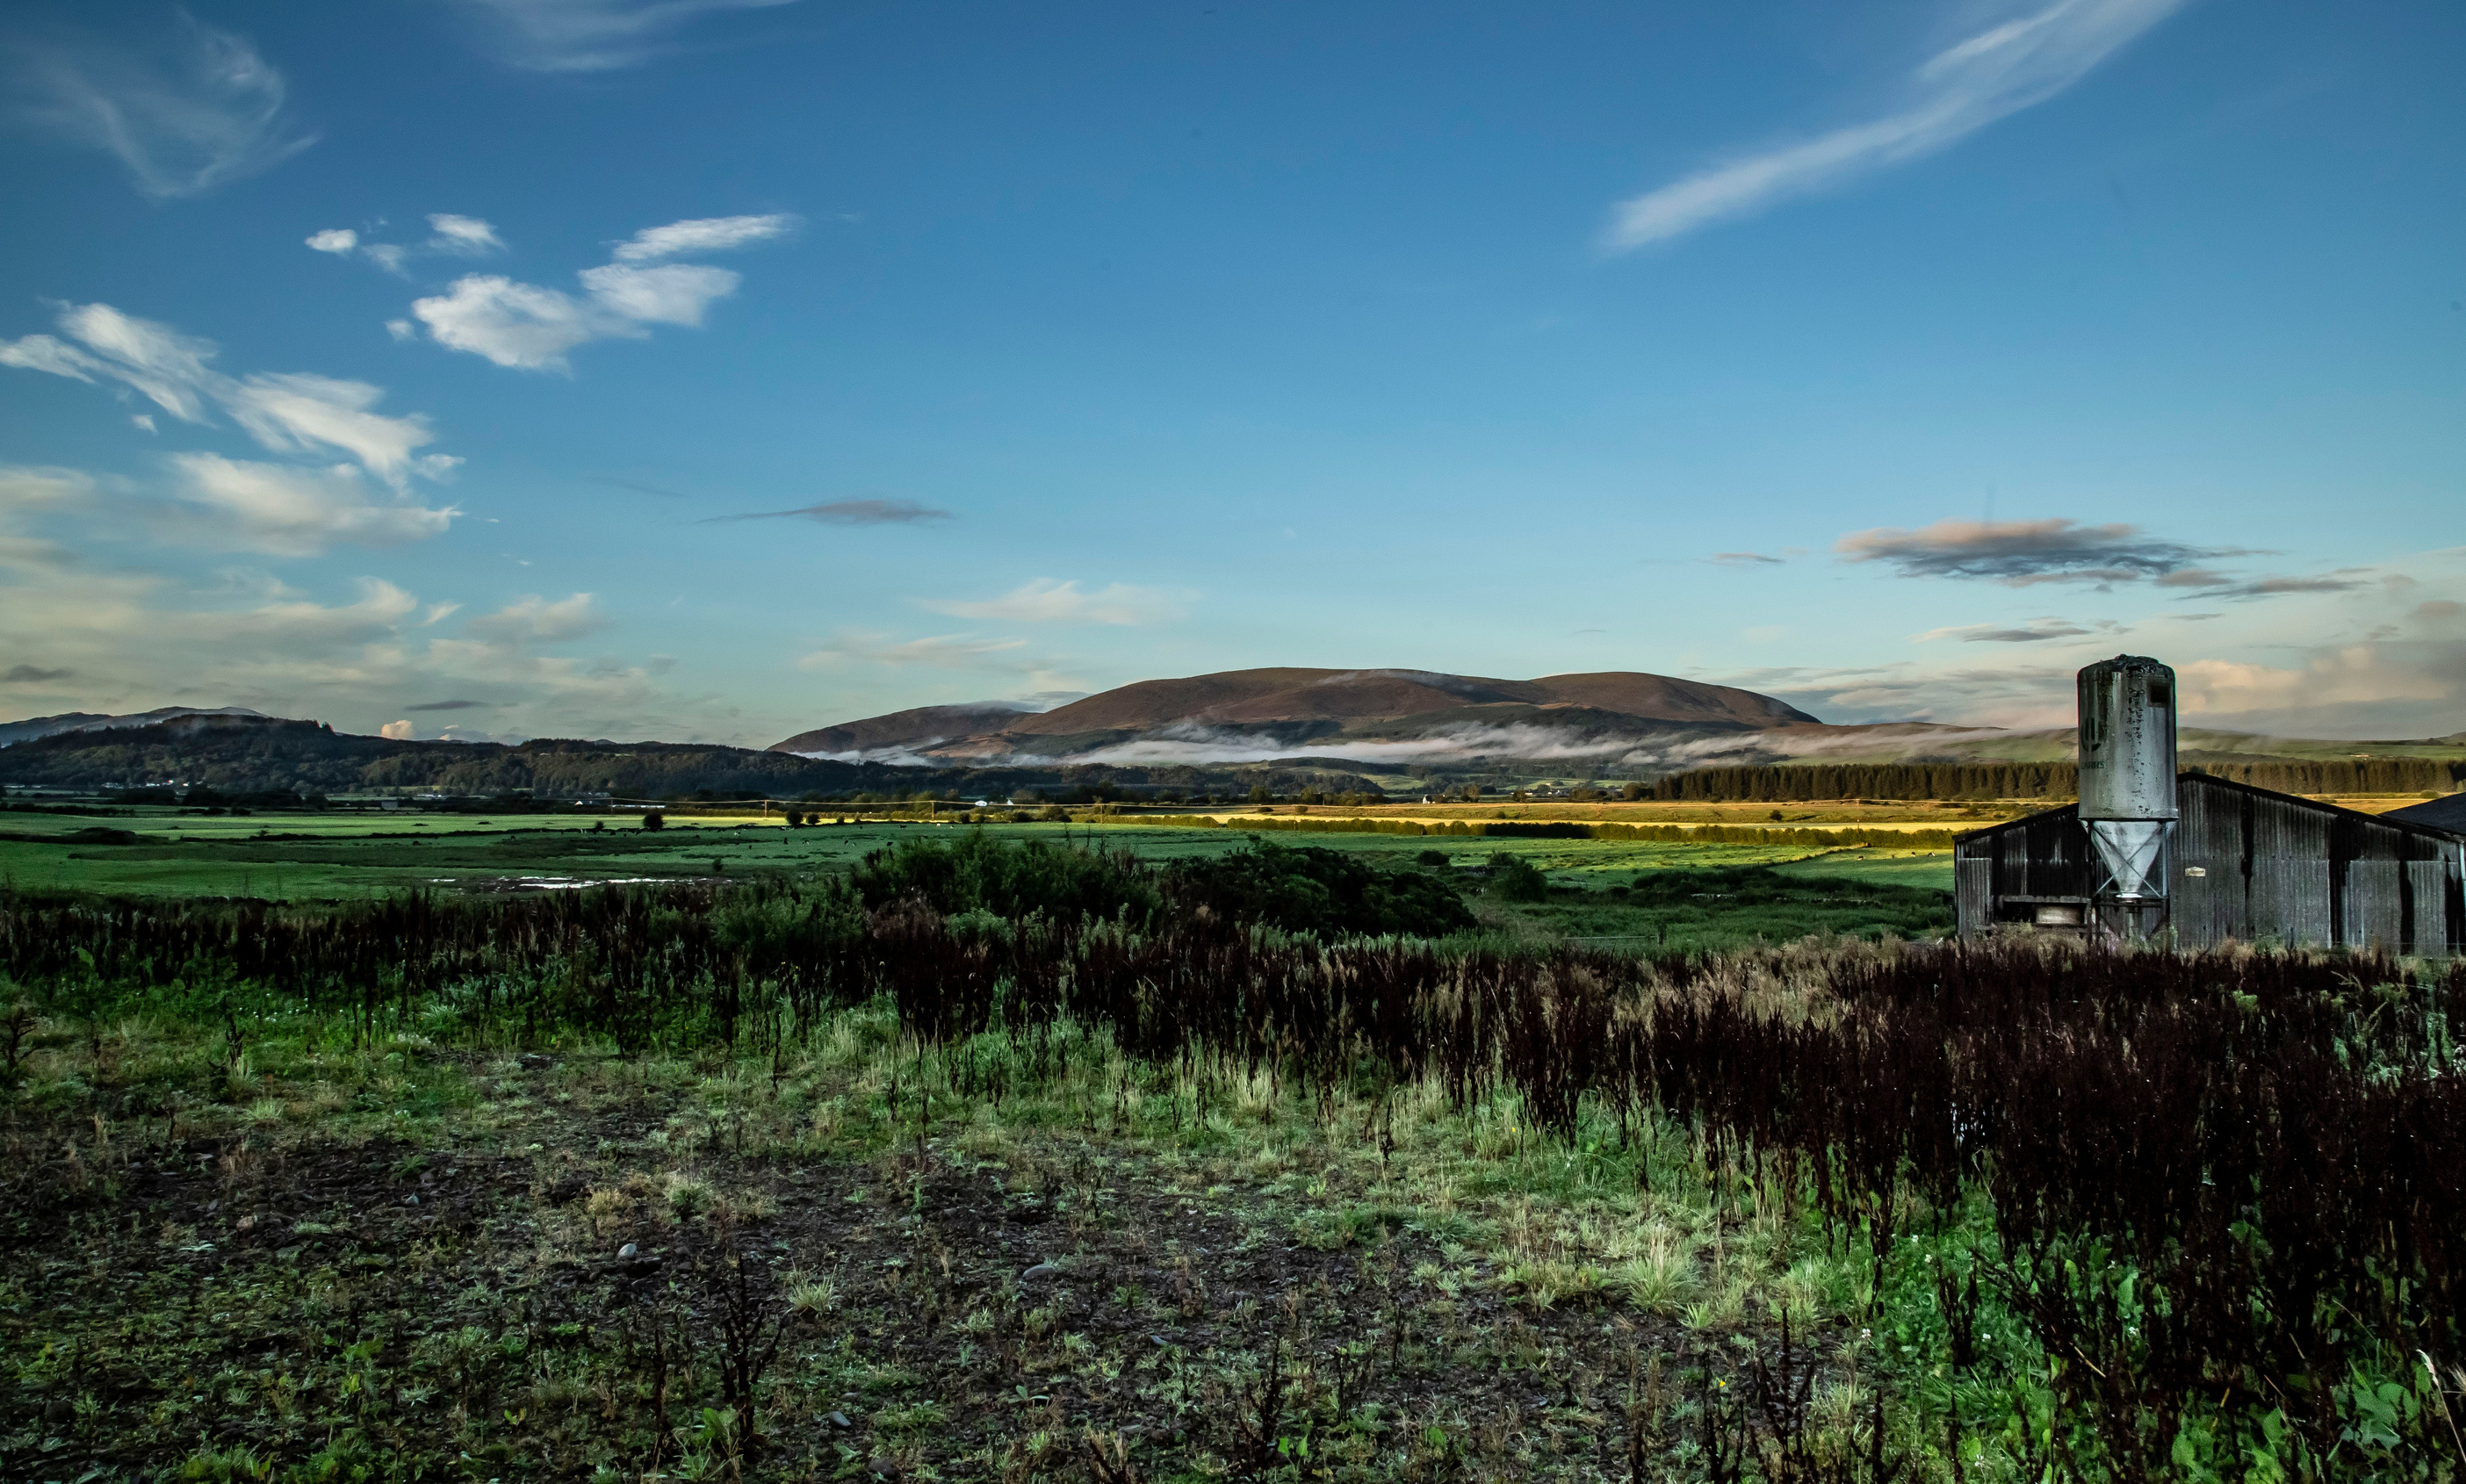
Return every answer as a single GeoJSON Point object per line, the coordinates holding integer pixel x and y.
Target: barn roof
{"type": "Point", "coordinates": [2448, 828]}
{"type": "Point", "coordinates": [2440, 814]}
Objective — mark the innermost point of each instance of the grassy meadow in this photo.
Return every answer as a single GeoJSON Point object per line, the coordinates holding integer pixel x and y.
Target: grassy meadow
{"type": "Point", "coordinates": [314, 856]}
{"type": "Point", "coordinates": [381, 1147]}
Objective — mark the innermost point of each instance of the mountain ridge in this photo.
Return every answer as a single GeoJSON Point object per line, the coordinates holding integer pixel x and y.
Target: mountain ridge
{"type": "Point", "coordinates": [258, 752]}
{"type": "Point", "coordinates": [1251, 714]}
{"type": "Point", "coordinates": [34, 728]}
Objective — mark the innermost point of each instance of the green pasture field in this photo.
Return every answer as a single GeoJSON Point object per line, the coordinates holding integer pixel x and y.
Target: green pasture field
{"type": "Point", "coordinates": [329, 857]}
{"type": "Point", "coordinates": [322, 855]}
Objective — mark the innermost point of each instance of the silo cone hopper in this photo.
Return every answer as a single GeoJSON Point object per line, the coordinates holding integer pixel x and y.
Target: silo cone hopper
{"type": "Point", "coordinates": [2127, 786]}
{"type": "Point", "coordinates": [2130, 850]}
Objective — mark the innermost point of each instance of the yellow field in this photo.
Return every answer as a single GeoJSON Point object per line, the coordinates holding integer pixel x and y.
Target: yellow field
{"type": "Point", "coordinates": [1882, 814]}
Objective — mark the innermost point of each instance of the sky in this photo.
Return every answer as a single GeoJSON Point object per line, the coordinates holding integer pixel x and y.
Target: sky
{"type": "Point", "coordinates": [713, 370]}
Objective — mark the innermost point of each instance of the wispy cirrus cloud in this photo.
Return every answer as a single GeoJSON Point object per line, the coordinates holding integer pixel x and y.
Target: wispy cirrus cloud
{"type": "Point", "coordinates": [1044, 600]}
{"type": "Point", "coordinates": [2014, 64]}
{"type": "Point", "coordinates": [2035, 631]}
{"type": "Point", "coordinates": [839, 512]}
{"type": "Point", "coordinates": [591, 36]}
{"type": "Point", "coordinates": [941, 651]}
{"type": "Point", "coordinates": [280, 510]}
{"type": "Point", "coordinates": [2208, 584]}
{"type": "Point", "coordinates": [288, 412]}
{"type": "Point", "coordinates": [212, 503]}
{"type": "Point", "coordinates": [530, 326]}
{"type": "Point", "coordinates": [29, 493]}
{"type": "Point", "coordinates": [463, 237]}
{"type": "Point", "coordinates": [703, 234]}
{"type": "Point", "coordinates": [1024, 669]}
{"type": "Point", "coordinates": [2022, 554]}
{"type": "Point", "coordinates": [535, 619]}
{"type": "Point", "coordinates": [106, 637]}
{"type": "Point", "coordinates": [197, 110]}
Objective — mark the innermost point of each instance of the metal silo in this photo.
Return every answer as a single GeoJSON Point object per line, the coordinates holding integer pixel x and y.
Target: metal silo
{"type": "Point", "coordinates": [2127, 779]}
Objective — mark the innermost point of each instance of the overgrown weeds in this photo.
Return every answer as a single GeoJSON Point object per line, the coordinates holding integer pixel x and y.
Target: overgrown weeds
{"type": "Point", "coordinates": [1832, 1211]}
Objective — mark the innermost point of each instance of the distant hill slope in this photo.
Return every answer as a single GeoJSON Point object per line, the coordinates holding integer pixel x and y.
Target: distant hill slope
{"type": "Point", "coordinates": [1240, 714]}
{"type": "Point", "coordinates": [252, 753]}
{"type": "Point", "coordinates": [1298, 695]}
{"type": "Point", "coordinates": [36, 726]}
{"type": "Point", "coordinates": [901, 731]}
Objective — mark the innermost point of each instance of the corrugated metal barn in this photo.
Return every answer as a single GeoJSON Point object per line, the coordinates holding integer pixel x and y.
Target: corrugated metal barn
{"type": "Point", "coordinates": [2242, 864]}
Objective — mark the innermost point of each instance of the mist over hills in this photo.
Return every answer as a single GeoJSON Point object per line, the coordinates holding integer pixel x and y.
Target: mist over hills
{"type": "Point", "coordinates": [250, 753]}
{"type": "Point", "coordinates": [1609, 725]}
{"type": "Point", "coordinates": [1287, 730]}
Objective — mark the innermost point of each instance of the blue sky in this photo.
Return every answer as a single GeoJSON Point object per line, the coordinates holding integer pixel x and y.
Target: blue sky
{"type": "Point", "coordinates": [1896, 359]}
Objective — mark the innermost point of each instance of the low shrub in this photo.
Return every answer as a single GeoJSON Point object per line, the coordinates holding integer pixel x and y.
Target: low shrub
{"type": "Point", "coordinates": [1514, 879]}
{"type": "Point", "coordinates": [1331, 893]}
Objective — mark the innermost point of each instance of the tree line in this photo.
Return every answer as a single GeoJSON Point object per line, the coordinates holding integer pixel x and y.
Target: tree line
{"type": "Point", "coordinates": [2054, 781]}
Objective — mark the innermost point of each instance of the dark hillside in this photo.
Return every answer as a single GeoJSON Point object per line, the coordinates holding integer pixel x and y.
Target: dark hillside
{"type": "Point", "coordinates": [921, 727]}
{"type": "Point", "coordinates": [1298, 704]}
{"type": "Point", "coordinates": [235, 754]}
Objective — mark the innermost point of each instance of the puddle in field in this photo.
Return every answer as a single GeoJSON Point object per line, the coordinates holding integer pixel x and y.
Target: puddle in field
{"type": "Point", "coordinates": [499, 884]}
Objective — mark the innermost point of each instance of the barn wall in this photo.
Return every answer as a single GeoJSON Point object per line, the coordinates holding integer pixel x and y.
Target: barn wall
{"type": "Point", "coordinates": [2271, 867]}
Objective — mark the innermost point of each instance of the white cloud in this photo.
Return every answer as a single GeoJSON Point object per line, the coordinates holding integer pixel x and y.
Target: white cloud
{"type": "Point", "coordinates": [669, 294]}
{"type": "Point", "coordinates": [381, 609]}
{"type": "Point", "coordinates": [398, 730]}
{"type": "Point", "coordinates": [591, 36]}
{"type": "Point", "coordinates": [1021, 669]}
{"type": "Point", "coordinates": [23, 488]}
{"type": "Point", "coordinates": [119, 640]}
{"type": "Point", "coordinates": [942, 652]}
{"type": "Point", "coordinates": [202, 110]}
{"type": "Point", "coordinates": [286, 511]}
{"type": "Point", "coordinates": [534, 619]}
{"type": "Point", "coordinates": [1044, 600]}
{"type": "Point", "coordinates": [2351, 675]}
{"type": "Point", "coordinates": [705, 234]}
{"type": "Point", "coordinates": [301, 411]}
{"type": "Point", "coordinates": [287, 411]}
{"type": "Point", "coordinates": [166, 367]}
{"type": "Point", "coordinates": [449, 235]}
{"type": "Point", "coordinates": [144, 422]}
{"type": "Point", "coordinates": [518, 324]}
{"type": "Point", "coordinates": [402, 330]}
{"type": "Point", "coordinates": [27, 492]}
{"type": "Point", "coordinates": [1992, 75]}
{"type": "Point", "coordinates": [531, 327]}
{"type": "Point", "coordinates": [464, 236]}
{"type": "Point", "coordinates": [43, 353]}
